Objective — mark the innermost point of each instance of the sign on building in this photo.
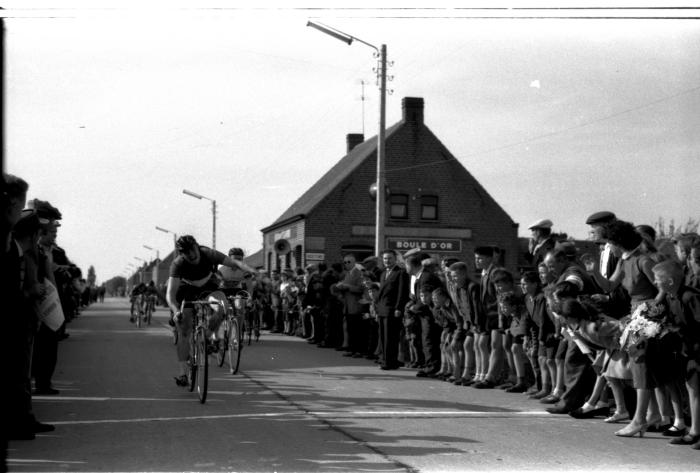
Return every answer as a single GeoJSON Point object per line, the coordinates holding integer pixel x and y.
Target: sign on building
{"type": "Point", "coordinates": [315, 256]}
{"type": "Point", "coordinates": [433, 244]}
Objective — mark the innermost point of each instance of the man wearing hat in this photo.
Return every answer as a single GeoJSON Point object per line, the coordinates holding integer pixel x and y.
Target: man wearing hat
{"type": "Point", "coordinates": [541, 240]}
{"type": "Point", "coordinates": [46, 341]}
{"type": "Point", "coordinates": [599, 222]}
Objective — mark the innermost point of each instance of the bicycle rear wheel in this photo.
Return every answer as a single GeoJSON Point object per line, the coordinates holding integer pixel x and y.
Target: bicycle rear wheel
{"type": "Point", "coordinates": [223, 346]}
{"type": "Point", "coordinates": [234, 346]}
{"type": "Point", "coordinates": [202, 365]}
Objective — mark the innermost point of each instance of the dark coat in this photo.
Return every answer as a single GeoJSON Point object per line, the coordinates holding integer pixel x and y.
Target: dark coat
{"type": "Point", "coordinates": [393, 292]}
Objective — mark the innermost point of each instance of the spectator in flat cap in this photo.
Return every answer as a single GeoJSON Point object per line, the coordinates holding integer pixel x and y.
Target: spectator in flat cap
{"type": "Point", "coordinates": [601, 218]}
{"type": "Point", "coordinates": [541, 240]}
{"type": "Point", "coordinates": [599, 223]}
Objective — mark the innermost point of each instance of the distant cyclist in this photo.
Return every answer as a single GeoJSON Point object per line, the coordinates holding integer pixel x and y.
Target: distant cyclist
{"type": "Point", "coordinates": [192, 273]}
{"type": "Point", "coordinates": [151, 295]}
{"type": "Point", "coordinates": [139, 289]}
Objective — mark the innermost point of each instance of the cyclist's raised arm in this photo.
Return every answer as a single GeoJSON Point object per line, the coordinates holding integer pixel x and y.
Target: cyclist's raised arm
{"type": "Point", "coordinates": [234, 263]}
{"type": "Point", "coordinates": [171, 292]}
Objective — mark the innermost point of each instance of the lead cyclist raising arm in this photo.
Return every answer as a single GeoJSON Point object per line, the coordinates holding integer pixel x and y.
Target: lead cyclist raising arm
{"type": "Point", "coordinates": [191, 273]}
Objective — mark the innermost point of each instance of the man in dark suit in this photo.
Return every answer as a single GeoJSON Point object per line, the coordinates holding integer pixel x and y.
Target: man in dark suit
{"type": "Point", "coordinates": [393, 296]}
{"type": "Point", "coordinates": [429, 331]}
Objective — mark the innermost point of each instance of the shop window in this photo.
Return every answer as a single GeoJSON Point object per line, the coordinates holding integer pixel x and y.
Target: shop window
{"type": "Point", "coordinates": [429, 207]}
{"type": "Point", "coordinates": [399, 206]}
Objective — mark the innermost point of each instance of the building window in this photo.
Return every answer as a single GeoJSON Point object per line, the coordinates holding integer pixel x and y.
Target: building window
{"type": "Point", "coordinates": [297, 257]}
{"type": "Point", "coordinates": [428, 207]}
{"type": "Point", "coordinates": [399, 206]}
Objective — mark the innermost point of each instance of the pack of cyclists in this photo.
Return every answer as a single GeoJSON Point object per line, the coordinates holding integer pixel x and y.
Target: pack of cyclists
{"type": "Point", "coordinates": [196, 272]}
{"type": "Point", "coordinates": [142, 304]}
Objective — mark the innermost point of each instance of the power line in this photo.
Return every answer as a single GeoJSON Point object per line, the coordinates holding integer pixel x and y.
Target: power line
{"type": "Point", "coordinates": [553, 133]}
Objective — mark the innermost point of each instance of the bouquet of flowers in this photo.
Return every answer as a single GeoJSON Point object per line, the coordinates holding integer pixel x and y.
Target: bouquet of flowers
{"type": "Point", "coordinates": [648, 321]}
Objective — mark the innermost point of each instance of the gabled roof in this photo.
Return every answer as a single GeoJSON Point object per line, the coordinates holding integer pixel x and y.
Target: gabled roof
{"type": "Point", "coordinates": [256, 259]}
{"type": "Point", "coordinates": [329, 181]}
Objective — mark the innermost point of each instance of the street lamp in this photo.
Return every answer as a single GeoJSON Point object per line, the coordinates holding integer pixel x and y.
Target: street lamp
{"type": "Point", "coordinates": [141, 268]}
{"type": "Point", "coordinates": [165, 230]}
{"type": "Point", "coordinates": [153, 249]}
{"type": "Point", "coordinates": [213, 213]}
{"type": "Point", "coordinates": [381, 138]}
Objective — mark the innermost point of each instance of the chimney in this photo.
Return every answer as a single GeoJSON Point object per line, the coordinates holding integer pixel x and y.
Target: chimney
{"type": "Point", "coordinates": [412, 109]}
{"type": "Point", "coordinates": [354, 139]}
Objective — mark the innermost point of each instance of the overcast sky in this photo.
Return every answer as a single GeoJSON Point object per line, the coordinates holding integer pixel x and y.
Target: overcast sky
{"type": "Point", "coordinates": [112, 113]}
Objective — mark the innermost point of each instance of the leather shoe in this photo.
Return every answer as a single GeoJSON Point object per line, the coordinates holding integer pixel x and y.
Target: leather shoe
{"type": "Point", "coordinates": [485, 384]}
{"type": "Point", "coordinates": [687, 439]}
{"type": "Point", "coordinates": [540, 394]}
{"type": "Point", "coordinates": [673, 431]}
{"type": "Point", "coordinates": [518, 388]}
{"type": "Point", "coordinates": [581, 414]}
{"type": "Point", "coordinates": [551, 399]}
{"type": "Point", "coordinates": [559, 409]}
{"type": "Point", "coordinates": [389, 367]}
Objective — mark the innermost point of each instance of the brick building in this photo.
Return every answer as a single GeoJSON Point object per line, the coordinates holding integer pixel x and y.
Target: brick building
{"type": "Point", "coordinates": [434, 203]}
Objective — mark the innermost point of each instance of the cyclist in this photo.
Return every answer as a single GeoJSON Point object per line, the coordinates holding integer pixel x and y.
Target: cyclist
{"type": "Point", "coordinates": [151, 294]}
{"type": "Point", "coordinates": [192, 273]}
{"type": "Point", "coordinates": [139, 289]}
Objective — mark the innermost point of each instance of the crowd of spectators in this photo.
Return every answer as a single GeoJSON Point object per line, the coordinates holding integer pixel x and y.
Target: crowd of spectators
{"type": "Point", "coordinates": [41, 291]}
{"type": "Point", "coordinates": [565, 333]}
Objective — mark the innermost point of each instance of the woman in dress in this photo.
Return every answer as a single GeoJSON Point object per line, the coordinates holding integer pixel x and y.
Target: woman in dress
{"type": "Point", "coordinates": [634, 273]}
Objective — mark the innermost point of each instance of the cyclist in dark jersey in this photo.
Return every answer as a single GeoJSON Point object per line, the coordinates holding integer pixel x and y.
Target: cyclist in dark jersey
{"type": "Point", "coordinates": [191, 275]}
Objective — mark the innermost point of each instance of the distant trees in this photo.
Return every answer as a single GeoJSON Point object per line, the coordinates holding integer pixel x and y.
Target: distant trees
{"type": "Point", "coordinates": [91, 276]}
{"type": "Point", "coordinates": [116, 286]}
{"type": "Point", "coordinates": [671, 230]}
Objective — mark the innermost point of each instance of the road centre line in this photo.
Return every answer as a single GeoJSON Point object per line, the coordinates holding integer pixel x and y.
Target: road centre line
{"type": "Point", "coordinates": [323, 414]}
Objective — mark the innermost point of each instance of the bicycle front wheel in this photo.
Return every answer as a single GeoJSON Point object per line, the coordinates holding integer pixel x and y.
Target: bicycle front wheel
{"type": "Point", "coordinates": [138, 319]}
{"type": "Point", "coordinates": [192, 373]}
{"type": "Point", "coordinates": [202, 365]}
{"type": "Point", "coordinates": [234, 346]}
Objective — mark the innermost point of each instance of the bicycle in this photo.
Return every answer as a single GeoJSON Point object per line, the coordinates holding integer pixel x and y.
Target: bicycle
{"type": "Point", "coordinates": [232, 335]}
{"type": "Point", "coordinates": [198, 369]}
{"type": "Point", "coordinates": [149, 308]}
{"type": "Point", "coordinates": [140, 311]}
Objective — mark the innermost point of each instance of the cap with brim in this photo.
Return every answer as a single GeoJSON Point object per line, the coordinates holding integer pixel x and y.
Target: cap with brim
{"type": "Point", "coordinates": [600, 217]}
{"type": "Point", "coordinates": [45, 209]}
{"type": "Point", "coordinates": [369, 259]}
{"type": "Point", "coordinates": [544, 223]}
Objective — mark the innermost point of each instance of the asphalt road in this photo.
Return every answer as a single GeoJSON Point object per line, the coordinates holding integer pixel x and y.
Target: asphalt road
{"type": "Point", "coordinates": [296, 407]}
